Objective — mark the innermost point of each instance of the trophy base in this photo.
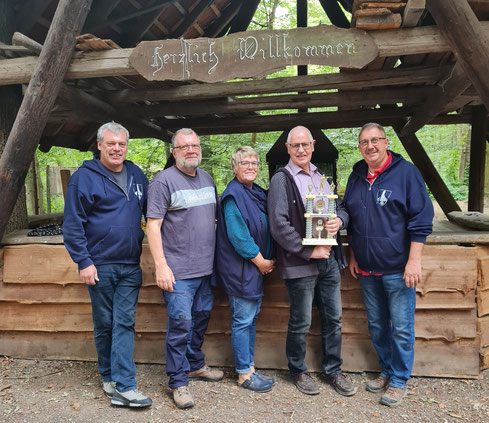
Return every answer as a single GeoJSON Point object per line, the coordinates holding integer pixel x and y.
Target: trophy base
{"type": "Point", "coordinates": [316, 241]}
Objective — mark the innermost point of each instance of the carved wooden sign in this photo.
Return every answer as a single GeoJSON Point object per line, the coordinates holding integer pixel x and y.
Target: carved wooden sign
{"type": "Point", "coordinates": [252, 53]}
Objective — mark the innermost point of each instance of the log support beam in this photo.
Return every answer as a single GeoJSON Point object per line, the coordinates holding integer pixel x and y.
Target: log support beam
{"type": "Point", "coordinates": [446, 91]}
{"type": "Point", "coordinates": [467, 39]}
{"type": "Point", "coordinates": [38, 101]}
{"type": "Point", "coordinates": [477, 159]}
{"type": "Point", "coordinates": [431, 176]}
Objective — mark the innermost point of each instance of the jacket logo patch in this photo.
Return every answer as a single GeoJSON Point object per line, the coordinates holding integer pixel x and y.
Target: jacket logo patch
{"type": "Point", "coordinates": [138, 190]}
{"type": "Point", "coordinates": [383, 196]}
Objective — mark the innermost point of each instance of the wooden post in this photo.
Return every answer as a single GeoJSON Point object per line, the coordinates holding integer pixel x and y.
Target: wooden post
{"type": "Point", "coordinates": [428, 171]}
{"type": "Point", "coordinates": [468, 41]}
{"type": "Point", "coordinates": [38, 101]}
{"type": "Point", "coordinates": [477, 159]}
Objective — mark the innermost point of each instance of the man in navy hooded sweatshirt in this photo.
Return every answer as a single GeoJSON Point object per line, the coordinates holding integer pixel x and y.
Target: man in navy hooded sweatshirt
{"type": "Point", "coordinates": [390, 217]}
{"type": "Point", "coordinates": [105, 200]}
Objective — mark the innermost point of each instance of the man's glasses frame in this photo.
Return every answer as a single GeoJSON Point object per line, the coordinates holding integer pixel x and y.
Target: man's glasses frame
{"type": "Point", "coordinates": [186, 147]}
{"type": "Point", "coordinates": [306, 146]}
{"type": "Point", "coordinates": [246, 163]}
{"type": "Point", "coordinates": [373, 141]}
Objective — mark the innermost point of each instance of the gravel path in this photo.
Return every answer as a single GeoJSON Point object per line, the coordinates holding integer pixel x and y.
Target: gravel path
{"type": "Point", "coordinates": [69, 391]}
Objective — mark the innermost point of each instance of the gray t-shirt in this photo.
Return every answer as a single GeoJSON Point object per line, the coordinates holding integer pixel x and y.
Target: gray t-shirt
{"type": "Point", "coordinates": [187, 205]}
{"type": "Point", "coordinates": [120, 178]}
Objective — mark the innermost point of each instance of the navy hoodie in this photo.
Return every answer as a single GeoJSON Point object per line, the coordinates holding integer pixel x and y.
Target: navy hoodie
{"type": "Point", "coordinates": [387, 216]}
{"type": "Point", "coordinates": [101, 223]}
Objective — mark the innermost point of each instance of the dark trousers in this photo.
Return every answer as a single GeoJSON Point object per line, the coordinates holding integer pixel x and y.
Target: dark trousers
{"type": "Point", "coordinates": [324, 289]}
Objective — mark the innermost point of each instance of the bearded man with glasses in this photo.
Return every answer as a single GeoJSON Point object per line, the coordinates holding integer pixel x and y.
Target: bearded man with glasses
{"type": "Point", "coordinates": [311, 273]}
{"type": "Point", "coordinates": [182, 207]}
{"type": "Point", "coordinates": [390, 217]}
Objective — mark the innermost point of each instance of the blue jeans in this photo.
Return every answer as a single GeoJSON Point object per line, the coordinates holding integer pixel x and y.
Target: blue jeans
{"type": "Point", "coordinates": [189, 309]}
{"type": "Point", "coordinates": [324, 289]}
{"type": "Point", "coordinates": [243, 332]}
{"type": "Point", "coordinates": [114, 299]}
{"type": "Point", "coordinates": [390, 309]}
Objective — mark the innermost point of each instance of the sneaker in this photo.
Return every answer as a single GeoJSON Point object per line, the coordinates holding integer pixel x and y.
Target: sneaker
{"type": "Point", "coordinates": [305, 383]}
{"type": "Point", "coordinates": [207, 374]}
{"type": "Point", "coordinates": [378, 384]}
{"type": "Point", "coordinates": [265, 378]}
{"type": "Point", "coordinates": [130, 399]}
{"type": "Point", "coordinates": [183, 397]}
{"type": "Point", "coordinates": [393, 396]}
{"type": "Point", "coordinates": [257, 384]}
{"type": "Point", "coordinates": [341, 384]}
{"type": "Point", "coordinates": [108, 388]}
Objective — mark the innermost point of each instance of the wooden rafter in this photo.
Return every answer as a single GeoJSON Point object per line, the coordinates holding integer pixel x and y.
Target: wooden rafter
{"type": "Point", "coordinates": [243, 18]}
{"type": "Point", "coordinates": [466, 38]}
{"type": "Point", "coordinates": [191, 18]}
{"type": "Point", "coordinates": [104, 23]}
{"type": "Point", "coordinates": [409, 95]}
{"type": "Point", "coordinates": [221, 25]}
{"type": "Point", "coordinates": [99, 12]}
{"type": "Point", "coordinates": [144, 23]}
{"type": "Point", "coordinates": [447, 90]}
{"type": "Point", "coordinates": [390, 77]}
{"type": "Point", "coordinates": [313, 120]}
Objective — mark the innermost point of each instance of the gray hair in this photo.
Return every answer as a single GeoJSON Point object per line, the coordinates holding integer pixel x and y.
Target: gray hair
{"type": "Point", "coordinates": [371, 125]}
{"type": "Point", "coordinates": [303, 128]}
{"type": "Point", "coordinates": [113, 127]}
{"type": "Point", "coordinates": [183, 131]}
{"type": "Point", "coordinates": [241, 152]}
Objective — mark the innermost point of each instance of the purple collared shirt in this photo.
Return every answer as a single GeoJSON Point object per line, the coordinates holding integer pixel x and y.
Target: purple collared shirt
{"type": "Point", "coordinates": [303, 179]}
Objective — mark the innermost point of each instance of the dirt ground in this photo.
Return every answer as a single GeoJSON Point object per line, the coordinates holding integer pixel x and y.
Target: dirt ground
{"type": "Point", "coordinates": [70, 391]}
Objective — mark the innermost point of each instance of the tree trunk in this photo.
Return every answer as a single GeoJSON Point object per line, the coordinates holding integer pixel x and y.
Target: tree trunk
{"type": "Point", "coordinates": [10, 99]}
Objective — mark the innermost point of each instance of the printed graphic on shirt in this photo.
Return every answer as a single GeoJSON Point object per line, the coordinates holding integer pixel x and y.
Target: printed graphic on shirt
{"type": "Point", "coordinates": [185, 199]}
{"type": "Point", "coordinates": [138, 190]}
{"type": "Point", "coordinates": [383, 196]}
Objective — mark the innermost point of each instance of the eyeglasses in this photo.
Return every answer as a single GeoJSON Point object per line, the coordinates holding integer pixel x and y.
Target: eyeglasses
{"type": "Point", "coordinates": [248, 164]}
{"type": "Point", "coordinates": [305, 145]}
{"type": "Point", "coordinates": [373, 141]}
{"type": "Point", "coordinates": [186, 147]}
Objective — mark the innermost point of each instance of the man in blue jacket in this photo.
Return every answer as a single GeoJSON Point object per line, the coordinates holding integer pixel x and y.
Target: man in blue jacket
{"type": "Point", "coordinates": [105, 200]}
{"type": "Point", "coordinates": [390, 217]}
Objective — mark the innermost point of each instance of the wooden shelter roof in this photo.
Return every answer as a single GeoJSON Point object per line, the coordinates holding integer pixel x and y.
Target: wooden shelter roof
{"type": "Point", "coordinates": [415, 79]}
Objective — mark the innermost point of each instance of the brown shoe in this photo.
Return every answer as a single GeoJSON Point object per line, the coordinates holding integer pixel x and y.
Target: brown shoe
{"type": "Point", "coordinates": [305, 383]}
{"type": "Point", "coordinates": [378, 384]}
{"type": "Point", "coordinates": [341, 384]}
{"type": "Point", "coordinates": [207, 374]}
{"type": "Point", "coordinates": [393, 396]}
{"type": "Point", "coordinates": [183, 397]}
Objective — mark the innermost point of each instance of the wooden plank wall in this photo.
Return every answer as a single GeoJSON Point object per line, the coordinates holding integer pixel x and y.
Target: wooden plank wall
{"type": "Point", "coordinates": [483, 306]}
{"type": "Point", "coordinates": [47, 314]}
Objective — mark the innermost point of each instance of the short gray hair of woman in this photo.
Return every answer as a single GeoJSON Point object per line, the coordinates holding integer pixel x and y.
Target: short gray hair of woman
{"type": "Point", "coordinates": [114, 127]}
{"type": "Point", "coordinates": [239, 153]}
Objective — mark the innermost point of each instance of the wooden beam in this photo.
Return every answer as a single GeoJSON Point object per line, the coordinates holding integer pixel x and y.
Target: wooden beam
{"type": "Point", "coordinates": [477, 159]}
{"type": "Point", "coordinates": [243, 19]}
{"type": "Point", "coordinates": [430, 175]}
{"type": "Point", "coordinates": [354, 80]}
{"type": "Point", "coordinates": [316, 120]}
{"type": "Point", "coordinates": [413, 12]}
{"type": "Point", "coordinates": [221, 25]}
{"type": "Point", "coordinates": [446, 91]}
{"type": "Point", "coordinates": [420, 40]}
{"type": "Point", "coordinates": [335, 13]}
{"type": "Point", "coordinates": [91, 109]}
{"type": "Point", "coordinates": [143, 25]}
{"type": "Point", "coordinates": [38, 101]}
{"type": "Point", "coordinates": [191, 18]}
{"type": "Point", "coordinates": [100, 11]}
{"type": "Point", "coordinates": [101, 23]}
{"type": "Point", "coordinates": [467, 39]}
{"type": "Point", "coordinates": [19, 39]}
{"type": "Point", "coordinates": [352, 99]}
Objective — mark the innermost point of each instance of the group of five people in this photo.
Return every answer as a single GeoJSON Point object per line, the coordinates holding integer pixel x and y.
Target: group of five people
{"type": "Point", "coordinates": [386, 211]}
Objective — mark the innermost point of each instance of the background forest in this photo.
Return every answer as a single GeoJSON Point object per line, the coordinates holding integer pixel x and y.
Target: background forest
{"type": "Point", "coordinates": [447, 146]}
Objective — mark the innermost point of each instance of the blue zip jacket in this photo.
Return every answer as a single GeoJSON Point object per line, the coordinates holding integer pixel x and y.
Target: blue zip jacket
{"type": "Point", "coordinates": [101, 223]}
{"type": "Point", "coordinates": [387, 216]}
